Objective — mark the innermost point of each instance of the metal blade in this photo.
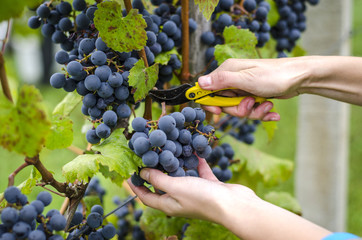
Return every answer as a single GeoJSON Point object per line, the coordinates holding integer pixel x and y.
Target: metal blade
{"type": "Point", "coordinates": [174, 96]}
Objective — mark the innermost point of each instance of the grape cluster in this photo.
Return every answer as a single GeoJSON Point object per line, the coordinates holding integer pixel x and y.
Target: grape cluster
{"type": "Point", "coordinates": [220, 159]}
{"type": "Point", "coordinates": [241, 129]}
{"type": "Point", "coordinates": [125, 225]}
{"type": "Point", "coordinates": [291, 24]}
{"type": "Point", "coordinates": [172, 143]}
{"type": "Point", "coordinates": [253, 16]}
{"type": "Point", "coordinates": [92, 228]}
{"type": "Point", "coordinates": [24, 220]}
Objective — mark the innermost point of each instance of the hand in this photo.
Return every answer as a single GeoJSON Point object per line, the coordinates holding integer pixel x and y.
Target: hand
{"type": "Point", "coordinates": [265, 78]}
{"type": "Point", "coordinates": [203, 198]}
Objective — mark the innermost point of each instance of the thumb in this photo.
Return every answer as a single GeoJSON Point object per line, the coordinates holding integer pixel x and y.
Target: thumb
{"type": "Point", "coordinates": [157, 178]}
{"type": "Point", "coordinates": [221, 79]}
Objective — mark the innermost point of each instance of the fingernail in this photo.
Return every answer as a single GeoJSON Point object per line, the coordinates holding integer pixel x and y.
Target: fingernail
{"type": "Point", "coordinates": [250, 105]}
{"type": "Point", "coordinates": [268, 107]}
{"type": "Point", "coordinates": [274, 119]}
{"type": "Point", "coordinates": [205, 81]}
{"type": "Point", "coordinates": [145, 174]}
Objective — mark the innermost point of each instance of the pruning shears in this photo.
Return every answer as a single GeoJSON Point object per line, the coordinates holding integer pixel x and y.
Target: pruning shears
{"type": "Point", "coordinates": [186, 92]}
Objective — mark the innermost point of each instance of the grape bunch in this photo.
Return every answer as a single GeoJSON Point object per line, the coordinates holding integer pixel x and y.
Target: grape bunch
{"type": "Point", "coordinates": [241, 129]}
{"type": "Point", "coordinates": [220, 159]}
{"type": "Point", "coordinates": [24, 220]}
{"type": "Point", "coordinates": [291, 24]}
{"type": "Point", "coordinates": [172, 143]}
{"type": "Point", "coordinates": [125, 225]}
{"type": "Point", "coordinates": [252, 15]}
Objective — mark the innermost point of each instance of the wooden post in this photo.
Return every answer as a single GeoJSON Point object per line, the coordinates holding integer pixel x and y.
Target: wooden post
{"type": "Point", "coordinates": [323, 124]}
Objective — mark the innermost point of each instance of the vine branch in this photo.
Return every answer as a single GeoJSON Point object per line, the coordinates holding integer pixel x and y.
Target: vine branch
{"type": "Point", "coordinates": [185, 72]}
{"type": "Point", "coordinates": [4, 79]}
{"type": "Point", "coordinates": [12, 176]}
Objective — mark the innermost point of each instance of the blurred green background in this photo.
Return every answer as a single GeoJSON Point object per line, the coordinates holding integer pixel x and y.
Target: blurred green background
{"type": "Point", "coordinates": [283, 145]}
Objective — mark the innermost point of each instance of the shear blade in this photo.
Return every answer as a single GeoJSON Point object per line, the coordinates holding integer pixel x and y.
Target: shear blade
{"type": "Point", "coordinates": [174, 96]}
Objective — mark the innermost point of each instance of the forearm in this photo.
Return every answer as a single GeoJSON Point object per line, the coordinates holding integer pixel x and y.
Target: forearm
{"type": "Point", "coordinates": [334, 77]}
{"type": "Point", "coordinates": [260, 219]}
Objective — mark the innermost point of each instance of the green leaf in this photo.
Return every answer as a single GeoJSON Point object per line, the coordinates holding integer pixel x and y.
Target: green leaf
{"type": "Point", "coordinates": [61, 135]}
{"type": "Point", "coordinates": [199, 229]}
{"type": "Point", "coordinates": [13, 9]}
{"type": "Point", "coordinates": [256, 166]}
{"type": "Point", "coordinates": [142, 79]}
{"type": "Point", "coordinates": [68, 104]}
{"type": "Point", "coordinates": [27, 186]}
{"type": "Point", "coordinates": [157, 225]}
{"type": "Point", "coordinates": [82, 167]}
{"type": "Point", "coordinates": [207, 7]}
{"type": "Point", "coordinates": [239, 43]}
{"type": "Point", "coordinates": [117, 157]}
{"type": "Point", "coordinates": [164, 57]}
{"type": "Point", "coordinates": [273, 15]}
{"type": "Point", "coordinates": [284, 200]}
{"type": "Point", "coordinates": [298, 51]}
{"type": "Point", "coordinates": [270, 126]}
{"type": "Point", "coordinates": [122, 34]}
{"type": "Point", "coordinates": [24, 126]}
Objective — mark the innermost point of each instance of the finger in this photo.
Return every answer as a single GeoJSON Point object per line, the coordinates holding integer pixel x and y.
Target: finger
{"type": "Point", "coordinates": [271, 116]}
{"type": "Point", "coordinates": [205, 170]}
{"type": "Point", "coordinates": [212, 109]}
{"type": "Point", "coordinates": [145, 195]}
{"type": "Point", "coordinates": [220, 79]}
{"type": "Point", "coordinates": [260, 111]}
{"type": "Point", "coordinates": [244, 109]}
{"type": "Point", "coordinates": [159, 180]}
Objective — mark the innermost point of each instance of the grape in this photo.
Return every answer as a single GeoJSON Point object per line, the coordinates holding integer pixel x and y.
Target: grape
{"type": "Point", "coordinates": [90, 13]}
{"type": "Point", "coordinates": [191, 162]}
{"type": "Point", "coordinates": [89, 100]}
{"type": "Point", "coordinates": [189, 114]}
{"type": "Point", "coordinates": [27, 213]}
{"type": "Point", "coordinates": [150, 159]}
{"type": "Point", "coordinates": [162, 38]}
{"type": "Point", "coordinates": [45, 197]}
{"type": "Point", "coordinates": [9, 216]}
{"type": "Point", "coordinates": [101, 45]}
{"type": "Point", "coordinates": [98, 209]}
{"type": "Point", "coordinates": [12, 194]}
{"type": "Point", "coordinates": [151, 38]}
{"type": "Point", "coordinates": [103, 131]}
{"type": "Point", "coordinates": [130, 62]}
{"type": "Point", "coordinates": [58, 37]}
{"type": "Point", "coordinates": [170, 145]}
{"type": "Point", "coordinates": [115, 79]}
{"type": "Point", "coordinates": [169, 28]}
{"type": "Point", "coordinates": [105, 91]}
{"type": "Point", "coordinates": [208, 129]}
{"type": "Point", "coordinates": [179, 118]}
{"type": "Point", "coordinates": [137, 180]}
{"type": "Point", "coordinates": [185, 136]}
{"type": "Point", "coordinates": [65, 24]}
{"type": "Point", "coordinates": [178, 149]}
{"type": "Point", "coordinates": [34, 22]}
{"type": "Point", "coordinates": [205, 153]}
{"type": "Point", "coordinates": [98, 58]}
{"type": "Point", "coordinates": [166, 157]}
{"type": "Point", "coordinates": [141, 145]}
{"type": "Point", "coordinates": [187, 150]}
{"type": "Point", "coordinates": [110, 118]}
{"type": "Point", "coordinates": [178, 173]}
{"type": "Point", "coordinates": [54, 17]}
{"type": "Point", "coordinates": [108, 231]}
{"type": "Point", "coordinates": [226, 4]}
{"type": "Point", "coordinates": [192, 25]}
{"type": "Point", "coordinates": [121, 93]}
{"type": "Point", "coordinates": [167, 124]}
{"type": "Point", "coordinates": [77, 218]}
{"type": "Point", "coordinates": [208, 38]}
{"type": "Point", "coordinates": [92, 137]}
{"type": "Point", "coordinates": [157, 138]}
{"type": "Point", "coordinates": [74, 68]}
{"type": "Point", "coordinates": [8, 236]}
{"type": "Point", "coordinates": [200, 143]}
{"type": "Point", "coordinates": [86, 45]}
{"type": "Point", "coordinates": [79, 5]}
{"type": "Point", "coordinates": [57, 80]}
{"type": "Point", "coordinates": [58, 222]}
{"type": "Point", "coordinates": [261, 14]}
{"type": "Point", "coordinates": [249, 5]}
{"type": "Point", "coordinates": [23, 199]}
{"type": "Point", "coordinates": [47, 30]}
{"type": "Point", "coordinates": [64, 8]}
{"type": "Point", "coordinates": [94, 220]}
{"type": "Point", "coordinates": [36, 235]}
{"type": "Point", "coordinates": [192, 173]}
{"type": "Point", "coordinates": [21, 229]}
{"type": "Point", "coordinates": [226, 175]}
{"type": "Point", "coordinates": [61, 57]}
{"type": "Point", "coordinates": [225, 20]}
{"type": "Point", "coordinates": [139, 124]}
{"type": "Point", "coordinates": [173, 135]}
{"type": "Point", "coordinates": [92, 83]}
{"type": "Point", "coordinates": [168, 45]}
{"type": "Point", "coordinates": [82, 21]}
{"type": "Point", "coordinates": [200, 114]}
{"type": "Point", "coordinates": [123, 111]}
{"type": "Point", "coordinates": [172, 165]}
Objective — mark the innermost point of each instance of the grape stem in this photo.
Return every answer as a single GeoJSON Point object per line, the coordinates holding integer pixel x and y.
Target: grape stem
{"type": "Point", "coordinates": [76, 150]}
{"type": "Point", "coordinates": [12, 175]}
{"type": "Point", "coordinates": [64, 206]}
{"type": "Point", "coordinates": [43, 186]}
{"type": "Point", "coordinates": [4, 79]}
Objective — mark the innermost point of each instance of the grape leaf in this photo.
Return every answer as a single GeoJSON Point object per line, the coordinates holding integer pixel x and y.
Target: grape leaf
{"type": "Point", "coordinates": [270, 128]}
{"type": "Point", "coordinates": [157, 225]}
{"type": "Point", "coordinates": [199, 229]}
{"type": "Point", "coordinates": [68, 104]}
{"type": "Point", "coordinates": [142, 79]}
{"type": "Point", "coordinates": [284, 200]}
{"type": "Point", "coordinates": [239, 43]}
{"type": "Point", "coordinates": [13, 9]}
{"type": "Point", "coordinates": [82, 167]}
{"type": "Point", "coordinates": [273, 15]}
{"type": "Point", "coordinates": [207, 7]}
{"type": "Point", "coordinates": [256, 166]}
{"type": "Point", "coordinates": [24, 126]}
{"type": "Point", "coordinates": [61, 134]}
{"type": "Point", "coordinates": [122, 34]}
{"type": "Point", "coordinates": [164, 57]}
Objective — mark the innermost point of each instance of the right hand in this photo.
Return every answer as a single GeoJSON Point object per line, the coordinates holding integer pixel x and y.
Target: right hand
{"type": "Point", "coordinates": [278, 78]}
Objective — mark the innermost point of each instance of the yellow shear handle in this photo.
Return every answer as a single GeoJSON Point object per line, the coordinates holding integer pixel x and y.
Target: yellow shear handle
{"type": "Point", "coordinates": [202, 97]}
